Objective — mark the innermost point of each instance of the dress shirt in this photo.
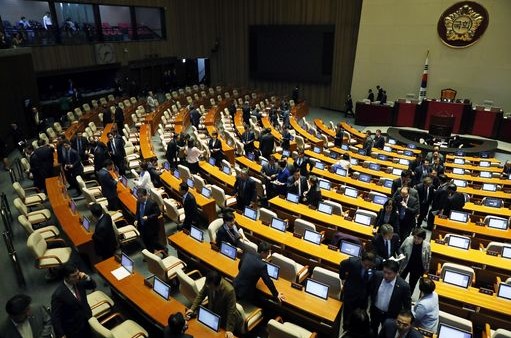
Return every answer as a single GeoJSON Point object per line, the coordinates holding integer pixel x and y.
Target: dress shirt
{"type": "Point", "coordinates": [192, 155]}
{"type": "Point", "coordinates": [384, 294]}
{"type": "Point", "coordinates": [402, 209]}
{"type": "Point", "coordinates": [72, 289]}
{"type": "Point", "coordinates": [47, 22]}
{"type": "Point", "coordinates": [144, 181]}
{"type": "Point", "coordinates": [24, 329]}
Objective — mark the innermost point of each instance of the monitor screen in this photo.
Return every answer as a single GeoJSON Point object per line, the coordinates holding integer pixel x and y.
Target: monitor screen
{"type": "Point", "coordinates": [228, 250]}
{"type": "Point", "coordinates": [397, 171]}
{"type": "Point", "coordinates": [459, 161]}
{"type": "Point", "coordinates": [273, 270]}
{"type": "Point", "coordinates": [333, 155]}
{"type": "Point", "coordinates": [353, 161]}
{"type": "Point", "coordinates": [344, 147]}
{"type": "Point", "coordinates": [263, 162]}
{"type": "Point", "coordinates": [134, 191]}
{"type": "Point", "coordinates": [493, 202]}
{"type": "Point", "coordinates": [387, 183]}
{"type": "Point", "coordinates": [251, 156]}
{"type": "Point", "coordinates": [446, 331]}
{"type": "Point", "coordinates": [292, 197]}
{"type": "Point", "coordinates": [460, 183]}
{"type": "Point", "coordinates": [489, 187]}
{"type": "Point", "coordinates": [277, 223]}
{"type": "Point", "coordinates": [379, 199]}
{"type": "Point", "coordinates": [364, 178]}
{"type": "Point", "coordinates": [316, 288]}
{"type": "Point", "coordinates": [382, 157]}
{"type": "Point", "coordinates": [404, 161]}
{"type": "Point", "coordinates": [323, 207]}
{"type": "Point", "coordinates": [124, 180]}
{"type": "Point", "coordinates": [459, 216]}
{"type": "Point", "coordinates": [197, 234]}
{"type": "Point", "coordinates": [411, 146]}
{"type": "Point", "coordinates": [460, 153]}
{"type": "Point", "coordinates": [212, 161]}
{"type": "Point", "coordinates": [361, 152]}
{"type": "Point", "coordinates": [351, 192]}
{"type": "Point", "coordinates": [86, 223]}
{"type": "Point", "coordinates": [408, 152]}
{"type": "Point", "coordinates": [161, 288]}
{"type": "Point", "coordinates": [312, 236]}
{"type": "Point", "coordinates": [374, 166]}
{"type": "Point", "coordinates": [226, 170]}
{"type": "Point", "coordinates": [341, 172]}
{"type": "Point", "coordinates": [484, 155]}
{"type": "Point", "coordinates": [250, 213]}
{"type": "Point", "coordinates": [206, 192]}
{"type": "Point", "coordinates": [498, 223]}
{"type": "Point", "coordinates": [351, 249]}
{"type": "Point", "coordinates": [286, 153]}
{"type": "Point", "coordinates": [208, 318]}
{"type": "Point", "coordinates": [392, 141]}
{"type": "Point", "coordinates": [484, 164]}
{"type": "Point", "coordinates": [459, 242]}
{"type": "Point", "coordinates": [72, 206]}
{"type": "Point", "coordinates": [456, 278]}
{"type": "Point", "coordinates": [190, 182]}
{"type": "Point", "coordinates": [485, 174]}
{"type": "Point", "coordinates": [319, 165]}
{"type": "Point", "coordinates": [458, 171]}
{"type": "Point", "coordinates": [506, 252]}
{"type": "Point", "coordinates": [362, 219]}
{"type": "Point", "coordinates": [504, 291]}
{"type": "Point", "coordinates": [166, 165]}
{"type": "Point", "coordinates": [324, 184]}
{"type": "Point", "coordinates": [127, 263]}
{"type": "Point", "coordinates": [387, 148]}
{"type": "Point", "coordinates": [176, 173]}
{"type": "Point", "coordinates": [317, 150]}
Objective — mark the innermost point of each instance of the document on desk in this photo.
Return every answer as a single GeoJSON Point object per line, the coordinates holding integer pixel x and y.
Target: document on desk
{"type": "Point", "coordinates": [120, 273]}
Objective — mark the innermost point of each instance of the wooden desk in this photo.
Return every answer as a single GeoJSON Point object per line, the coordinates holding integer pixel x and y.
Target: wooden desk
{"type": "Point", "coordinates": [484, 210]}
{"type": "Point", "coordinates": [208, 205]}
{"type": "Point", "coordinates": [333, 177]}
{"type": "Point", "coordinates": [319, 315]}
{"type": "Point", "coordinates": [478, 179]}
{"type": "Point", "coordinates": [276, 133]}
{"type": "Point", "coordinates": [226, 149]}
{"type": "Point", "coordinates": [104, 134]}
{"type": "Point", "coordinates": [146, 148]}
{"type": "Point", "coordinates": [213, 173]}
{"type": "Point", "coordinates": [358, 202]}
{"type": "Point", "coordinates": [182, 121]}
{"type": "Point", "coordinates": [470, 227]}
{"type": "Point", "coordinates": [472, 167]}
{"type": "Point", "coordinates": [471, 158]}
{"type": "Point", "coordinates": [373, 114]}
{"type": "Point", "coordinates": [370, 159]}
{"type": "Point", "coordinates": [305, 134]}
{"type": "Point", "coordinates": [336, 222]}
{"type": "Point", "coordinates": [354, 132]}
{"type": "Point", "coordinates": [152, 305]}
{"type": "Point", "coordinates": [324, 128]}
{"type": "Point", "coordinates": [484, 193]}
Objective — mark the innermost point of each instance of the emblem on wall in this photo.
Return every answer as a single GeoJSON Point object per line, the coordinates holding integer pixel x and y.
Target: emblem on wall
{"type": "Point", "coordinates": [462, 24]}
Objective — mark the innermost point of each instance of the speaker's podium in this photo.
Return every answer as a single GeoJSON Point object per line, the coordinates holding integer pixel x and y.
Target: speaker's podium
{"type": "Point", "coordinates": [441, 125]}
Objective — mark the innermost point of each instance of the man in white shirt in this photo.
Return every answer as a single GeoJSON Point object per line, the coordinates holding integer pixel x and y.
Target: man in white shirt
{"type": "Point", "coordinates": [26, 320]}
{"type": "Point", "coordinates": [47, 23]}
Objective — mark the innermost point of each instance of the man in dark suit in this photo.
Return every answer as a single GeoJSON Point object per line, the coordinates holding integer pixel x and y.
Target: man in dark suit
{"type": "Point", "coordinates": [339, 136]}
{"type": "Point", "coordinates": [104, 238]}
{"type": "Point", "coordinates": [297, 184]}
{"type": "Point", "coordinates": [408, 208]}
{"type": "Point", "coordinates": [189, 205]}
{"type": "Point", "coordinates": [107, 115]}
{"type": "Point", "coordinates": [35, 170]}
{"type": "Point", "coordinates": [286, 138]}
{"type": "Point", "coordinates": [72, 165]}
{"type": "Point", "coordinates": [379, 140]}
{"type": "Point", "coordinates": [228, 232]}
{"type": "Point", "coordinates": [398, 182]}
{"type": "Point", "coordinates": [389, 294]}
{"type": "Point", "coordinates": [356, 273]}
{"type": "Point", "coordinates": [379, 93]}
{"type": "Point", "coordinates": [109, 185]}
{"type": "Point", "coordinates": [44, 155]}
{"type": "Point", "coordinates": [25, 319]}
{"type": "Point", "coordinates": [368, 143]}
{"type": "Point", "coordinates": [117, 153]}
{"type": "Point", "coordinates": [248, 138]}
{"type": "Point", "coordinates": [269, 171]}
{"type": "Point", "coordinates": [245, 109]}
{"type": "Point", "coordinates": [215, 148]}
{"type": "Point", "coordinates": [386, 243]}
{"type": "Point", "coordinates": [426, 193]}
{"type": "Point", "coordinates": [70, 310]}
{"type": "Point", "coordinates": [245, 190]}
{"type": "Point", "coordinates": [171, 152]}
{"type": "Point", "coordinates": [266, 143]}
{"type": "Point", "coordinates": [176, 327]}
{"type": "Point", "coordinates": [194, 117]}
{"type": "Point", "coordinates": [100, 153]}
{"type": "Point", "coordinates": [303, 163]}
{"type": "Point", "coordinates": [251, 269]}
{"type": "Point", "coordinates": [146, 220]}
{"type": "Point", "coordinates": [370, 95]}
{"type": "Point", "coordinates": [400, 327]}
{"type": "Point", "coordinates": [455, 200]}
{"type": "Point", "coordinates": [421, 172]}
{"type": "Point", "coordinates": [119, 117]}
{"type": "Point", "coordinates": [440, 201]}
{"type": "Point", "coordinates": [80, 144]}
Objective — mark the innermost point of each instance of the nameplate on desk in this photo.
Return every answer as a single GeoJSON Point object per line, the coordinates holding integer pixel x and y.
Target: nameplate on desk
{"type": "Point", "coordinates": [439, 241]}
{"type": "Point", "coordinates": [434, 277]}
{"type": "Point", "coordinates": [486, 291]}
{"type": "Point", "coordinates": [332, 247]}
{"type": "Point", "coordinates": [214, 247]}
{"type": "Point", "coordinates": [297, 286]}
{"type": "Point", "coordinates": [492, 253]}
{"type": "Point", "coordinates": [442, 216]}
{"type": "Point", "coordinates": [424, 332]}
{"type": "Point", "coordinates": [297, 235]}
{"type": "Point", "coordinates": [186, 232]}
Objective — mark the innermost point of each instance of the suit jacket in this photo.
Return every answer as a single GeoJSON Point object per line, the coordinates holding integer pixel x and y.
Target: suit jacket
{"type": "Point", "coordinates": [302, 165]}
{"type": "Point", "coordinates": [100, 156]}
{"type": "Point", "coordinates": [108, 183]}
{"type": "Point", "coordinates": [411, 210]}
{"type": "Point", "coordinates": [195, 118]}
{"type": "Point", "coordinates": [248, 139]}
{"type": "Point", "coordinates": [251, 268]}
{"type": "Point", "coordinates": [378, 245]}
{"type": "Point", "coordinates": [393, 219]}
{"type": "Point", "coordinates": [223, 236]}
{"type": "Point", "coordinates": [389, 330]}
{"type": "Point", "coordinates": [455, 202]}
{"type": "Point", "coordinates": [149, 227]}
{"type": "Point", "coordinates": [368, 145]}
{"type": "Point", "coordinates": [107, 116]}
{"type": "Point", "coordinates": [244, 194]}
{"type": "Point", "coordinates": [379, 142]}
{"type": "Point", "coordinates": [396, 184]}
{"type": "Point", "coordinates": [441, 198]}
{"type": "Point", "coordinates": [171, 152]}
{"type": "Point", "coordinates": [419, 173]}
{"type": "Point", "coordinates": [355, 290]}
{"type": "Point", "coordinates": [69, 315]}
{"type": "Point", "coordinates": [266, 144]}
{"type": "Point", "coordinates": [119, 148]}
{"type": "Point", "coordinates": [119, 117]}
{"type": "Point", "coordinates": [40, 322]}
{"type": "Point", "coordinates": [313, 195]}
{"type": "Point", "coordinates": [370, 97]}
{"type": "Point", "coordinates": [400, 299]}
{"type": "Point", "coordinates": [73, 158]}
{"type": "Point", "coordinates": [44, 156]}
{"type": "Point", "coordinates": [286, 140]}
{"type": "Point", "coordinates": [217, 146]}
{"type": "Point", "coordinates": [84, 144]}
{"type": "Point", "coordinates": [105, 241]}
{"type": "Point", "coordinates": [423, 191]}
{"type": "Point", "coordinates": [292, 188]}
{"type": "Point", "coordinates": [191, 211]}
{"type": "Point", "coordinates": [222, 302]}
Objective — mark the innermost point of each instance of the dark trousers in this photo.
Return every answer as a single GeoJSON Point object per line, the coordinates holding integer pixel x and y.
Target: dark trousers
{"type": "Point", "coordinates": [71, 179]}
{"type": "Point", "coordinates": [377, 318]}
{"type": "Point", "coordinates": [423, 213]}
{"type": "Point", "coordinates": [114, 203]}
{"type": "Point", "coordinates": [415, 275]}
{"type": "Point", "coordinates": [194, 167]}
{"type": "Point", "coordinates": [404, 229]}
{"type": "Point", "coordinates": [431, 219]}
{"type": "Point", "coordinates": [119, 162]}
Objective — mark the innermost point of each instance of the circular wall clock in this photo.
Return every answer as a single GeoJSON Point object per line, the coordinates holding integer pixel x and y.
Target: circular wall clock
{"type": "Point", "coordinates": [105, 53]}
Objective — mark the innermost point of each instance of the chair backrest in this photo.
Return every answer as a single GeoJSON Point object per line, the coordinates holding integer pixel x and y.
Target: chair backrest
{"type": "Point", "coordinates": [218, 195]}
{"type": "Point", "coordinates": [454, 321]}
{"type": "Point", "coordinates": [486, 219]}
{"type": "Point", "coordinates": [331, 279]}
{"type": "Point", "coordinates": [171, 211]}
{"type": "Point", "coordinates": [19, 190]}
{"type": "Point", "coordinates": [266, 215]}
{"type": "Point", "coordinates": [154, 264]}
{"type": "Point", "coordinates": [158, 198]}
{"type": "Point", "coordinates": [99, 329]}
{"type": "Point", "coordinates": [36, 244]}
{"type": "Point", "coordinates": [25, 164]}
{"type": "Point", "coordinates": [458, 268]}
{"type": "Point", "coordinates": [301, 225]}
{"type": "Point", "coordinates": [336, 207]}
{"type": "Point", "coordinates": [199, 182]}
{"type": "Point", "coordinates": [51, 133]}
{"type": "Point", "coordinates": [260, 188]}
{"type": "Point", "coordinates": [184, 172]}
{"type": "Point", "coordinates": [213, 228]}
{"type": "Point", "coordinates": [448, 94]}
{"type": "Point", "coordinates": [22, 208]}
{"type": "Point", "coordinates": [187, 286]}
{"type": "Point", "coordinates": [368, 213]}
{"type": "Point", "coordinates": [57, 127]}
{"type": "Point", "coordinates": [280, 330]}
{"type": "Point", "coordinates": [288, 268]}
{"type": "Point", "coordinates": [27, 226]}
{"type": "Point", "coordinates": [495, 247]}
{"type": "Point", "coordinates": [501, 333]}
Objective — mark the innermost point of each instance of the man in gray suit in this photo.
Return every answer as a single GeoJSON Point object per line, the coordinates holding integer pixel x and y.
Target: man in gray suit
{"type": "Point", "coordinates": [26, 320]}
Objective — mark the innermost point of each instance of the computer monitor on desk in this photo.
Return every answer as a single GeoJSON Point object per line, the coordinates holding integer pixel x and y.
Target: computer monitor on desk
{"type": "Point", "coordinates": [489, 187]}
{"type": "Point", "coordinates": [408, 153]}
{"type": "Point", "coordinates": [458, 171]}
{"type": "Point", "coordinates": [228, 250]}
{"type": "Point", "coordinates": [484, 164]}
{"type": "Point", "coordinates": [197, 234]}
{"type": "Point", "coordinates": [212, 161]}
{"type": "Point", "coordinates": [504, 291]}
{"type": "Point", "coordinates": [319, 165]}
{"type": "Point", "coordinates": [250, 213]}
{"type": "Point", "coordinates": [459, 242]}
{"type": "Point", "coordinates": [397, 171]}
{"type": "Point", "coordinates": [379, 199]}
{"type": "Point", "coordinates": [459, 161]}
{"type": "Point", "coordinates": [324, 184]}
{"type": "Point", "coordinates": [351, 249]}
{"type": "Point", "coordinates": [364, 178]}
{"type": "Point", "coordinates": [460, 183]}
{"type": "Point", "coordinates": [273, 270]}
{"type": "Point", "coordinates": [350, 192]}
{"type": "Point", "coordinates": [498, 223]}
{"type": "Point", "coordinates": [292, 198]}
{"type": "Point", "coordinates": [446, 331]}
{"type": "Point", "coordinates": [362, 219]}
{"type": "Point", "coordinates": [374, 166]}
{"type": "Point", "coordinates": [127, 263]}
{"type": "Point", "coordinates": [404, 161]}
{"type": "Point", "coordinates": [459, 216]}
{"type": "Point", "coordinates": [316, 288]}
{"type": "Point", "coordinates": [86, 223]}
{"type": "Point", "coordinates": [485, 174]}
{"type": "Point", "coordinates": [325, 208]}
{"type": "Point", "coordinates": [206, 192]}
{"type": "Point", "coordinates": [312, 236]}
{"type": "Point", "coordinates": [124, 180]}
{"type": "Point", "coordinates": [166, 165]}
{"type": "Point", "coordinates": [387, 183]}
{"type": "Point", "coordinates": [456, 278]}
{"type": "Point", "coordinates": [506, 252]}
{"type": "Point", "coordinates": [381, 157]}
{"type": "Point", "coordinates": [341, 172]}
{"type": "Point", "coordinates": [161, 288]}
{"type": "Point", "coordinates": [278, 224]}
{"type": "Point", "coordinates": [208, 318]}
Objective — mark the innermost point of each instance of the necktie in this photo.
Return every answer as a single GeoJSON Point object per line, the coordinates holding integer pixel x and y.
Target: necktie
{"type": "Point", "coordinates": [402, 212]}
{"type": "Point", "coordinates": [113, 147]}
{"type": "Point", "coordinates": [427, 194]}
{"type": "Point", "coordinates": [299, 188]}
{"type": "Point", "coordinates": [68, 157]}
{"type": "Point", "coordinates": [142, 209]}
{"type": "Point", "coordinates": [77, 294]}
{"type": "Point", "coordinates": [78, 146]}
{"type": "Point", "coordinates": [387, 247]}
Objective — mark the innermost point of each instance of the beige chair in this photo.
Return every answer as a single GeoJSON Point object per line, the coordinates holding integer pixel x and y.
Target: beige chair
{"type": "Point", "coordinates": [34, 217]}
{"type": "Point", "coordinates": [126, 234]}
{"type": "Point", "coordinates": [336, 207]}
{"type": "Point", "coordinates": [494, 247]}
{"type": "Point", "coordinates": [29, 200]}
{"type": "Point", "coordinates": [100, 303]}
{"type": "Point", "coordinates": [289, 269]}
{"type": "Point", "coordinates": [127, 329]}
{"type": "Point", "coordinates": [184, 172]}
{"type": "Point", "coordinates": [367, 213]}
{"type": "Point", "coordinates": [251, 315]}
{"type": "Point", "coordinates": [266, 215]}
{"type": "Point", "coordinates": [329, 278]}
{"type": "Point", "coordinates": [222, 200]}
{"type": "Point", "coordinates": [489, 217]}
{"type": "Point", "coordinates": [455, 321]}
{"type": "Point", "coordinates": [47, 232]}
{"type": "Point", "coordinates": [213, 228]}
{"type": "Point", "coordinates": [166, 268]}
{"type": "Point", "coordinates": [200, 183]}
{"type": "Point", "coordinates": [91, 199]}
{"type": "Point", "coordinates": [47, 258]}
{"type": "Point", "coordinates": [277, 328]}
{"type": "Point", "coordinates": [57, 126]}
{"type": "Point", "coordinates": [457, 268]}
{"type": "Point", "coordinates": [26, 168]}
{"type": "Point", "coordinates": [173, 212]}
{"type": "Point", "coordinates": [499, 333]}
{"type": "Point", "coordinates": [301, 225]}
{"type": "Point", "coordinates": [188, 286]}
{"type": "Point", "coordinates": [92, 185]}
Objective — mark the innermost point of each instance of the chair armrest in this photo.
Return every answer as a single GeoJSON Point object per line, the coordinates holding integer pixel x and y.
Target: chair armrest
{"type": "Point", "coordinates": [112, 316]}
{"type": "Point", "coordinates": [304, 269]}
{"type": "Point", "coordinates": [194, 272]}
{"type": "Point", "coordinates": [101, 303]}
{"type": "Point", "coordinates": [96, 183]}
{"type": "Point", "coordinates": [39, 259]}
{"type": "Point", "coordinates": [174, 265]}
{"type": "Point", "coordinates": [139, 334]}
{"type": "Point", "coordinates": [279, 319]}
{"type": "Point", "coordinates": [56, 241]}
{"type": "Point", "coordinates": [38, 197]}
{"type": "Point", "coordinates": [258, 311]}
{"type": "Point", "coordinates": [39, 212]}
{"type": "Point", "coordinates": [122, 221]}
{"type": "Point", "coordinates": [32, 189]}
{"type": "Point", "coordinates": [48, 230]}
{"type": "Point", "coordinates": [438, 269]}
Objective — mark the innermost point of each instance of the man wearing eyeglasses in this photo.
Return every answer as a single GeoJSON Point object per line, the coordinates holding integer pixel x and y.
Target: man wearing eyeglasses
{"type": "Point", "coordinates": [401, 327]}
